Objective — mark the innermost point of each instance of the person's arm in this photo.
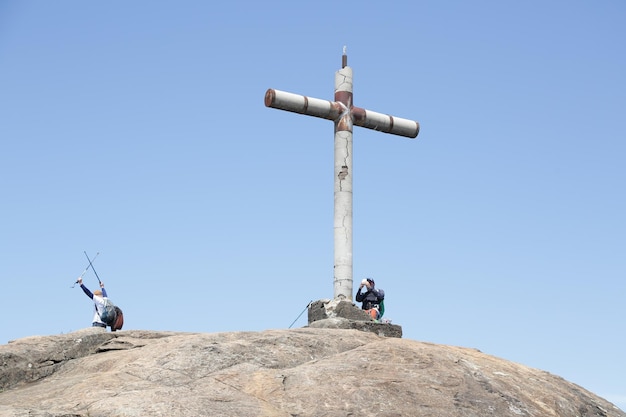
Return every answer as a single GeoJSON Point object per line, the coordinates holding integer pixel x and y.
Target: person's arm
{"type": "Point", "coordinates": [86, 291]}
{"type": "Point", "coordinates": [104, 292]}
{"type": "Point", "coordinates": [359, 296]}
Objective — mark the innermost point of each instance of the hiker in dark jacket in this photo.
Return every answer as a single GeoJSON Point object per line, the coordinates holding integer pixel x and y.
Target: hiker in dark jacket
{"type": "Point", "coordinates": [371, 298]}
{"type": "Point", "coordinates": [98, 300]}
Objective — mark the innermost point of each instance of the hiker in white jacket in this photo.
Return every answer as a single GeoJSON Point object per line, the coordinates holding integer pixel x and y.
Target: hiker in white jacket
{"type": "Point", "coordinates": [98, 300]}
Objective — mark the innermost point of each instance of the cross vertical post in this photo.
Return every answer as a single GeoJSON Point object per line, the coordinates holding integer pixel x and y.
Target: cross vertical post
{"type": "Point", "coordinates": [344, 115]}
{"type": "Point", "coordinates": [343, 184]}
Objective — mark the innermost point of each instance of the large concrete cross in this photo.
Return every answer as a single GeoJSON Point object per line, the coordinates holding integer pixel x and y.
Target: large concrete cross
{"type": "Point", "coordinates": [344, 115]}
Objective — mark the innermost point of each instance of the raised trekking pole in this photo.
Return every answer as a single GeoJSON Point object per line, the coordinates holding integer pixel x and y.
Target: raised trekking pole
{"type": "Point", "coordinates": [92, 268]}
{"type": "Point", "coordinates": [307, 306]}
{"type": "Point", "coordinates": [86, 269]}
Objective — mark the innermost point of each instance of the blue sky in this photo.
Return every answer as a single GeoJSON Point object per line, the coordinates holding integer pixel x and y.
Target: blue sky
{"type": "Point", "coordinates": [137, 130]}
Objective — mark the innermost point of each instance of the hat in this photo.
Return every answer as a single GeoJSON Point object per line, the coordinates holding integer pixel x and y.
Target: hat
{"type": "Point", "coordinates": [97, 292]}
{"type": "Point", "coordinates": [371, 281]}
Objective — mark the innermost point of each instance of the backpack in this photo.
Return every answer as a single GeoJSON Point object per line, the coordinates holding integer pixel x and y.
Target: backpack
{"type": "Point", "coordinates": [381, 303]}
{"type": "Point", "coordinates": [119, 320]}
{"type": "Point", "coordinates": [108, 314]}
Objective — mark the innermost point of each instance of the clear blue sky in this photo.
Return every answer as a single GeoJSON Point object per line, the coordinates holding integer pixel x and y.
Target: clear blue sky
{"type": "Point", "coordinates": [138, 130]}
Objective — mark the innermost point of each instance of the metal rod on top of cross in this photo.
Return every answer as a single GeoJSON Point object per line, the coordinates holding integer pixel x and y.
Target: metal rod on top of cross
{"type": "Point", "coordinates": [344, 115]}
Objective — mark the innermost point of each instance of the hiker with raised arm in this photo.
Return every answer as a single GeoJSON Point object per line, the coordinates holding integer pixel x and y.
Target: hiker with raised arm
{"type": "Point", "coordinates": [98, 297]}
{"type": "Point", "coordinates": [372, 299]}
{"type": "Point", "coordinates": [107, 313]}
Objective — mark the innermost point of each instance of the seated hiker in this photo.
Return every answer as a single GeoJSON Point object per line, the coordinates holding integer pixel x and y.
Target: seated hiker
{"type": "Point", "coordinates": [372, 299]}
{"type": "Point", "coordinates": [98, 297]}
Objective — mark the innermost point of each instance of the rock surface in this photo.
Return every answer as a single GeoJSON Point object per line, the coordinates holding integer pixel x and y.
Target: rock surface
{"type": "Point", "coordinates": [337, 314]}
{"type": "Point", "coordinates": [286, 373]}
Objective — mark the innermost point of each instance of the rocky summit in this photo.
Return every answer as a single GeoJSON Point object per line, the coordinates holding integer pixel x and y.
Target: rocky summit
{"type": "Point", "coordinates": [296, 372]}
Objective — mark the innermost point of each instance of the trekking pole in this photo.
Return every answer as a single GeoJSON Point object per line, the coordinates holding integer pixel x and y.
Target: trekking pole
{"type": "Point", "coordinates": [307, 306]}
{"type": "Point", "coordinates": [85, 271]}
{"type": "Point", "coordinates": [92, 268]}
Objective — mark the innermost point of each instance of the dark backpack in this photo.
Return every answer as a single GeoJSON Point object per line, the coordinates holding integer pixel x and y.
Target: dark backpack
{"type": "Point", "coordinates": [381, 302]}
{"type": "Point", "coordinates": [108, 314]}
{"type": "Point", "coordinates": [119, 320]}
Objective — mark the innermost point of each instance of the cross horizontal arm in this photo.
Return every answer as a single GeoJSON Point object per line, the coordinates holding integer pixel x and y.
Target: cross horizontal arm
{"type": "Point", "coordinates": [332, 110]}
{"type": "Point", "coordinates": [385, 123]}
{"type": "Point", "coordinates": [296, 103]}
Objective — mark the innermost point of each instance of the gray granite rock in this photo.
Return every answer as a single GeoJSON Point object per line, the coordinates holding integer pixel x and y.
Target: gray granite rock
{"type": "Point", "coordinates": [296, 372]}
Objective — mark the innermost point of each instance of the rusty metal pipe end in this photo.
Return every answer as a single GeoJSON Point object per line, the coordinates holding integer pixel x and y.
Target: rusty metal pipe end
{"type": "Point", "coordinates": [270, 97]}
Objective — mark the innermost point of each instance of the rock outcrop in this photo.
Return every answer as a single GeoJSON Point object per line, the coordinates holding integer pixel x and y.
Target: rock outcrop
{"type": "Point", "coordinates": [296, 372]}
{"type": "Point", "coordinates": [339, 314]}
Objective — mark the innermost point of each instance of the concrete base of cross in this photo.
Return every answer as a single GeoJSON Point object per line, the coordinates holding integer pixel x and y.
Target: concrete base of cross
{"type": "Point", "coordinates": [341, 314]}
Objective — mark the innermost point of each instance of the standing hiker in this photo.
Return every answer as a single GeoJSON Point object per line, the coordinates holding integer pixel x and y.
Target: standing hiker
{"type": "Point", "coordinates": [98, 297]}
{"type": "Point", "coordinates": [372, 299]}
